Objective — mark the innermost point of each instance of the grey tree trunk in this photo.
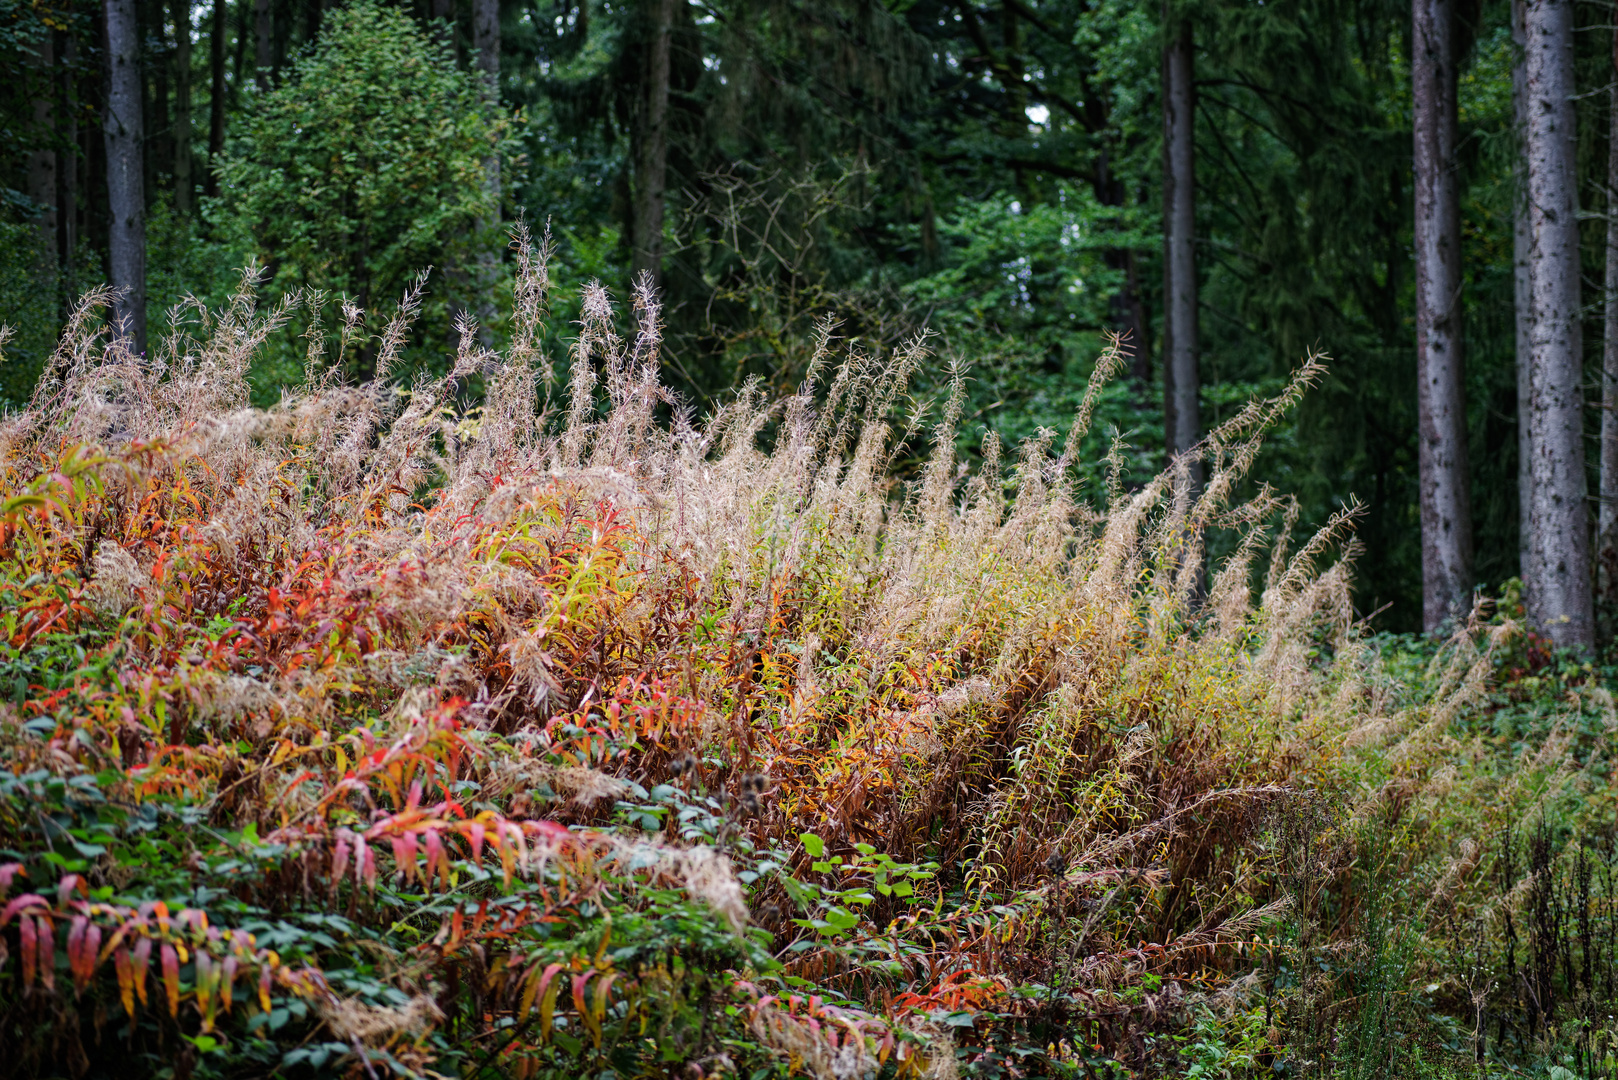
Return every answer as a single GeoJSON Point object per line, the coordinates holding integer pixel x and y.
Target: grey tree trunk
{"type": "Point", "coordinates": [182, 106]}
{"type": "Point", "coordinates": [1181, 380]}
{"type": "Point", "coordinates": [216, 93]}
{"type": "Point", "coordinates": [126, 188]}
{"type": "Point", "coordinates": [1560, 567]}
{"type": "Point", "coordinates": [486, 40]}
{"type": "Point", "coordinates": [1446, 513]}
{"type": "Point", "coordinates": [1607, 516]}
{"type": "Point", "coordinates": [42, 162]}
{"type": "Point", "coordinates": [1523, 300]}
{"type": "Point", "coordinates": [651, 157]}
{"type": "Point", "coordinates": [264, 43]}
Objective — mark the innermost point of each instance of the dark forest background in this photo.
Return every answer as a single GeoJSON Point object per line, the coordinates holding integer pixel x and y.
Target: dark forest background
{"type": "Point", "coordinates": [990, 171]}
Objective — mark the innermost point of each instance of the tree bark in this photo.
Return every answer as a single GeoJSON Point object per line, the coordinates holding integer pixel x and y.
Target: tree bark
{"type": "Point", "coordinates": [1607, 515]}
{"type": "Point", "coordinates": [67, 163]}
{"type": "Point", "coordinates": [1560, 567]}
{"type": "Point", "coordinates": [152, 22]}
{"type": "Point", "coordinates": [216, 93]}
{"type": "Point", "coordinates": [42, 162]}
{"type": "Point", "coordinates": [1181, 381]}
{"type": "Point", "coordinates": [182, 106]}
{"type": "Point", "coordinates": [486, 42]}
{"type": "Point", "coordinates": [1523, 300]}
{"type": "Point", "coordinates": [126, 190]}
{"type": "Point", "coordinates": [651, 158]}
{"type": "Point", "coordinates": [443, 16]}
{"type": "Point", "coordinates": [1446, 514]}
{"type": "Point", "coordinates": [264, 43]}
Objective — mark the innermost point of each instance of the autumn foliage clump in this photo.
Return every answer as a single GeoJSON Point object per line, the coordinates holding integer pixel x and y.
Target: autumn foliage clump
{"type": "Point", "coordinates": [564, 735]}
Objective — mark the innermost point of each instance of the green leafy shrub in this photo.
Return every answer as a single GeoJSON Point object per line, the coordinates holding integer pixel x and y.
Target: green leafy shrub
{"type": "Point", "coordinates": [366, 165]}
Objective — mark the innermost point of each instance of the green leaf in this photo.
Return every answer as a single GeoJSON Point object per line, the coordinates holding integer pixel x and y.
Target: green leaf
{"type": "Point", "coordinates": [814, 845]}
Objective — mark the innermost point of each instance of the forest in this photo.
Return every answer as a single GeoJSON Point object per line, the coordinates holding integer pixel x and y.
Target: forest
{"type": "Point", "coordinates": [852, 539]}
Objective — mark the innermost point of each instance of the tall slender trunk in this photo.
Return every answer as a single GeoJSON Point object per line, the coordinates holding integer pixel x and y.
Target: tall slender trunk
{"type": "Point", "coordinates": [1127, 313]}
{"type": "Point", "coordinates": [1561, 565]}
{"type": "Point", "coordinates": [1182, 426]}
{"type": "Point", "coordinates": [1446, 513]}
{"type": "Point", "coordinates": [1607, 516]}
{"type": "Point", "coordinates": [182, 106]}
{"type": "Point", "coordinates": [1523, 300]}
{"type": "Point", "coordinates": [67, 163]}
{"type": "Point", "coordinates": [216, 93]}
{"type": "Point", "coordinates": [126, 189]}
{"type": "Point", "coordinates": [239, 54]}
{"type": "Point", "coordinates": [443, 16]}
{"type": "Point", "coordinates": [263, 42]}
{"type": "Point", "coordinates": [486, 41]}
{"type": "Point", "coordinates": [281, 37]}
{"type": "Point", "coordinates": [42, 161]}
{"type": "Point", "coordinates": [651, 158]}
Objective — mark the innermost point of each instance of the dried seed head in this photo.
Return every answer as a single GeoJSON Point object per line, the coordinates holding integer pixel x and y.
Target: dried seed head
{"type": "Point", "coordinates": [749, 802]}
{"type": "Point", "coordinates": [683, 764]}
{"type": "Point", "coordinates": [755, 782]}
{"type": "Point", "coordinates": [1056, 864]}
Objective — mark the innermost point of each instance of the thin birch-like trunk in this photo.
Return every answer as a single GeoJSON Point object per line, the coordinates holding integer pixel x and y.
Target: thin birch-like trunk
{"type": "Point", "coordinates": [1560, 568]}
{"type": "Point", "coordinates": [126, 186]}
{"type": "Point", "coordinates": [1446, 514]}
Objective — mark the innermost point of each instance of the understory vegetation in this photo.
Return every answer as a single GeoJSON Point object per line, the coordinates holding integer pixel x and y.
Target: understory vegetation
{"type": "Point", "coordinates": [518, 723]}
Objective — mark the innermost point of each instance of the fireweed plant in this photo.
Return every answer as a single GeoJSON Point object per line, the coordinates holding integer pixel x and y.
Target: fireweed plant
{"type": "Point", "coordinates": [566, 736]}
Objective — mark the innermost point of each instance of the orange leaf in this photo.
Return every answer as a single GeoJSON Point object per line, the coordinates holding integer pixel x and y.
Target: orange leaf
{"type": "Point", "coordinates": [142, 960]}
{"type": "Point", "coordinates": [126, 979]}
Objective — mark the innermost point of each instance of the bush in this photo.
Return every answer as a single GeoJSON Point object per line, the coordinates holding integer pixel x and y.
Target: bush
{"type": "Point", "coordinates": [557, 738]}
{"type": "Point", "coordinates": [366, 165]}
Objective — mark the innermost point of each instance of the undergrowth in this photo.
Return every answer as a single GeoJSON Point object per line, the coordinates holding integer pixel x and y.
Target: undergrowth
{"type": "Point", "coordinates": [565, 735]}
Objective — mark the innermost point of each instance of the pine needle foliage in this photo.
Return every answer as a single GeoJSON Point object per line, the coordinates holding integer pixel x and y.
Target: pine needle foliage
{"type": "Point", "coordinates": [379, 734]}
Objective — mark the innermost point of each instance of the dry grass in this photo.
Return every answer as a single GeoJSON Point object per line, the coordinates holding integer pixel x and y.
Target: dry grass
{"type": "Point", "coordinates": [387, 647]}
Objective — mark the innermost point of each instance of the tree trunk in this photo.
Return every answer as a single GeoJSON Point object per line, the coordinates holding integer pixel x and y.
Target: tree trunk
{"type": "Point", "coordinates": [182, 106]}
{"type": "Point", "coordinates": [651, 158]}
{"type": "Point", "coordinates": [126, 190]}
{"type": "Point", "coordinates": [67, 164]}
{"type": "Point", "coordinates": [1446, 515]}
{"type": "Point", "coordinates": [486, 41]}
{"type": "Point", "coordinates": [158, 150]}
{"type": "Point", "coordinates": [1560, 568]}
{"type": "Point", "coordinates": [1607, 518]}
{"type": "Point", "coordinates": [216, 93]}
{"type": "Point", "coordinates": [1181, 381]}
{"type": "Point", "coordinates": [443, 17]}
{"type": "Point", "coordinates": [42, 162]}
{"type": "Point", "coordinates": [1523, 301]}
{"type": "Point", "coordinates": [264, 43]}
{"type": "Point", "coordinates": [1127, 313]}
